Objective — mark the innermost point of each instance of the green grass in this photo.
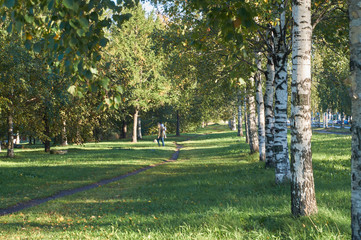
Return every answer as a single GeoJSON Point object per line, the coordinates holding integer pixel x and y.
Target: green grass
{"type": "Point", "coordinates": [36, 174]}
{"type": "Point", "coordinates": [215, 191]}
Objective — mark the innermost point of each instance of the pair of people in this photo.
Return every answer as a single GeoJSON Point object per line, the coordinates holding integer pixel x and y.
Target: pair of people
{"type": "Point", "coordinates": [161, 133]}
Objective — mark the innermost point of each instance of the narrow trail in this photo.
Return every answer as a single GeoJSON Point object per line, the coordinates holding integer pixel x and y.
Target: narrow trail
{"type": "Point", "coordinates": [330, 132]}
{"type": "Point", "coordinates": [64, 193]}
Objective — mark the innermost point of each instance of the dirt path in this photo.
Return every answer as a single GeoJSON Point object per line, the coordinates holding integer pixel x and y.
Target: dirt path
{"type": "Point", "coordinates": [35, 202]}
{"type": "Point", "coordinates": [330, 132]}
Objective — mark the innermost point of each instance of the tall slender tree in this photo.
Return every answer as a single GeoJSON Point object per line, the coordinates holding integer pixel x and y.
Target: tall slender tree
{"type": "Point", "coordinates": [355, 67]}
{"type": "Point", "coordinates": [303, 199]}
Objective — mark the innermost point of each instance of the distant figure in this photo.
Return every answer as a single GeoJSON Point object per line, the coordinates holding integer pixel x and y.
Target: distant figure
{"type": "Point", "coordinates": [161, 133]}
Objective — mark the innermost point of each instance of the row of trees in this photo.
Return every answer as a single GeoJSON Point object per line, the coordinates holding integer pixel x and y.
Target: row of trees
{"type": "Point", "coordinates": [206, 60]}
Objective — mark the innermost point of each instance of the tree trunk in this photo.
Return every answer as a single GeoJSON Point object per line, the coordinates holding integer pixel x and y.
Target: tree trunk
{"type": "Point", "coordinates": [10, 152]}
{"type": "Point", "coordinates": [17, 138]}
{"type": "Point", "coordinates": [124, 129]}
{"type": "Point", "coordinates": [135, 122]}
{"type": "Point", "coordinates": [234, 122]}
{"type": "Point", "coordinates": [280, 149]}
{"type": "Point", "coordinates": [269, 124]}
{"type": "Point", "coordinates": [343, 120]}
{"type": "Point", "coordinates": [327, 115]}
{"type": "Point", "coordinates": [252, 120]}
{"type": "Point", "coordinates": [64, 138]}
{"type": "Point", "coordinates": [355, 67]}
{"type": "Point", "coordinates": [246, 120]}
{"type": "Point", "coordinates": [303, 199]}
{"type": "Point", "coordinates": [239, 119]}
{"type": "Point", "coordinates": [260, 110]}
{"type": "Point", "coordinates": [178, 125]}
{"type": "Point", "coordinates": [140, 136]}
{"type": "Point", "coordinates": [47, 133]}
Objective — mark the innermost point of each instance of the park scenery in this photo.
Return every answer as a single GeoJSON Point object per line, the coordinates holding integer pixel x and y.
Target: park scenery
{"type": "Point", "coordinates": [182, 119]}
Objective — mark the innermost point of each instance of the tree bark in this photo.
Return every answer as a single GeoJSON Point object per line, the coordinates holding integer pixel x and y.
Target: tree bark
{"type": "Point", "coordinates": [239, 119]}
{"type": "Point", "coordinates": [10, 150]}
{"type": "Point", "coordinates": [234, 122]}
{"type": "Point", "coordinates": [124, 128]}
{"type": "Point", "coordinates": [47, 133]}
{"type": "Point", "coordinates": [261, 114]}
{"type": "Point", "coordinates": [246, 120]}
{"type": "Point", "coordinates": [64, 138]}
{"type": "Point", "coordinates": [269, 123]}
{"type": "Point", "coordinates": [303, 199]}
{"type": "Point", "coordinates": [355, 67]}
{"type": "Point", "coordinates": [178, 125]}
{"type": "Point", "coordinates": [135, 123]}
{"type": "Point", "coordinates": [140, 136]}
{"type": "Point", "coordinates": [280, 149]}
{"type": "Point", "coordinates": [252, 120]}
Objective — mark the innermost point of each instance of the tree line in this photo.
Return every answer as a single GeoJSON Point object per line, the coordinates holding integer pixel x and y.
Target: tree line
{"type": "Point", "coordinates": [261, 62]}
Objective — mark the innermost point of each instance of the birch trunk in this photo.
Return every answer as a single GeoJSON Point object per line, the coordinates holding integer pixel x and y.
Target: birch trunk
{"type": "Point", "coordinates": [240, 122]}
{"type": "Point", "coordinates": [326, 119]}
{"type": "Point", "coordinates": [10, 150]}
{"type": "Point", "coordinates": [135, 123]}
{"type": "Point", "coordinates": [234, 122]}
{"type": "Point", "coordinates": [140, 128]}
{"type": "Point", "coordinates": [252, 120]}
{"type": "Point", "coordinates": [303, 199]}
{"type": "Point", "coordinates": [64, 138]}
{"type": "Point", "coordinates": [246, 120]}
{"type": "Point", "coordinates": [269, 116]}
{"type": "Point", "coordinates": [260, 110]}
{"type": "Point", "coordinates": [124, 128]}
{"type": "Point", "coordinates": [355, 67]}
{"type": "Point", "coordinates": [280, 149]}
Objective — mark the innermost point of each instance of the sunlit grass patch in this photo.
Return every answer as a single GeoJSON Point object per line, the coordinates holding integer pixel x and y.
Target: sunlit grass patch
{"type": "Point", "coordinates": [216, 190]}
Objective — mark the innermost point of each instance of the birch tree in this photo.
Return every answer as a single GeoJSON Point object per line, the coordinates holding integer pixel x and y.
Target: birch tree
{"type": "Point", "coordinates": [280, 148]}
{"type": "Point", "coordinates": [269, 116]}
{"type": "Point", "coordinates": [252, 119]}
{"type": "Point", "coordinates": [355, 67]}
{"type": "Point", "coordinates": [303, 199]}
{"type": "Point", "coordinates": [261, 112]}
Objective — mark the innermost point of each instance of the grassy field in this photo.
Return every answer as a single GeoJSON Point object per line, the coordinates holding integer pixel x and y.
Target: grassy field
{"type": "Point", "coordinates": [216, 190]}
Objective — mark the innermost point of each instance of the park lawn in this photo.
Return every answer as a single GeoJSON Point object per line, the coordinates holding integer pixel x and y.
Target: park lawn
{"type": "Point", "coordinates": [36, 174]}
{"type": "Point", "coordinates": [216, 190]}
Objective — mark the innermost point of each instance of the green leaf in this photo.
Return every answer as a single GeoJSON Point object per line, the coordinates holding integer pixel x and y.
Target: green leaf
{"type": "Point", "coordinates": [37, 47]}
{"type": "Point", "coordinates": [60, 57]}
{"type": "Point", "coordinates": [103, 42]}
{"type": "Point", "coordinates": [51, 5]}
{"type": "Point", "coordinates": [68, 4]}
{"type": "Point", "coordinates": [104, 82]}
{"type": "Point", "coordinates": [72, 90]}
{"type": "Point", "coordinates": [119, 89]}
{"type": "Point", "coordinates": [9, 3]}
{"type": "Point", "coordinates": [29, 19]}
{"type": "Point", "coordinates": [84, 22]}
{"type": "Point", "coordinates": [9, 28]}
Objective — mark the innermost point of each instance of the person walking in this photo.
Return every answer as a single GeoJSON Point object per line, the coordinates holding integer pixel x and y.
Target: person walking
{"type": "Point", "coordinates": [161, 134]}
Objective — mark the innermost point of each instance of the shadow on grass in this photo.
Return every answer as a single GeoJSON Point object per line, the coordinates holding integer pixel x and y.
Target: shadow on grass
{"type": "Point", "coordinates": [211, 188]}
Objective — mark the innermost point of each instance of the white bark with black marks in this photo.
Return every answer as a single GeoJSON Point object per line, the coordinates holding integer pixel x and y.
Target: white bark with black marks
{"type": "Point", "coordinates": [303, 199]}
{"type": "Point", "coordinates": [239, 119]}
{"type": "Point", "coordinates": [260, 111]}
{"type": "Point", "coordinates": [252, 120]}
{"type": "Point", "coordinates": [355, 67]}
{"type": "Point", "coordinates": [246, 116]}
{"type": "Point", "coordinates": [280, 149]}
{"type": "Point", "coordinates": [269, 116]}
